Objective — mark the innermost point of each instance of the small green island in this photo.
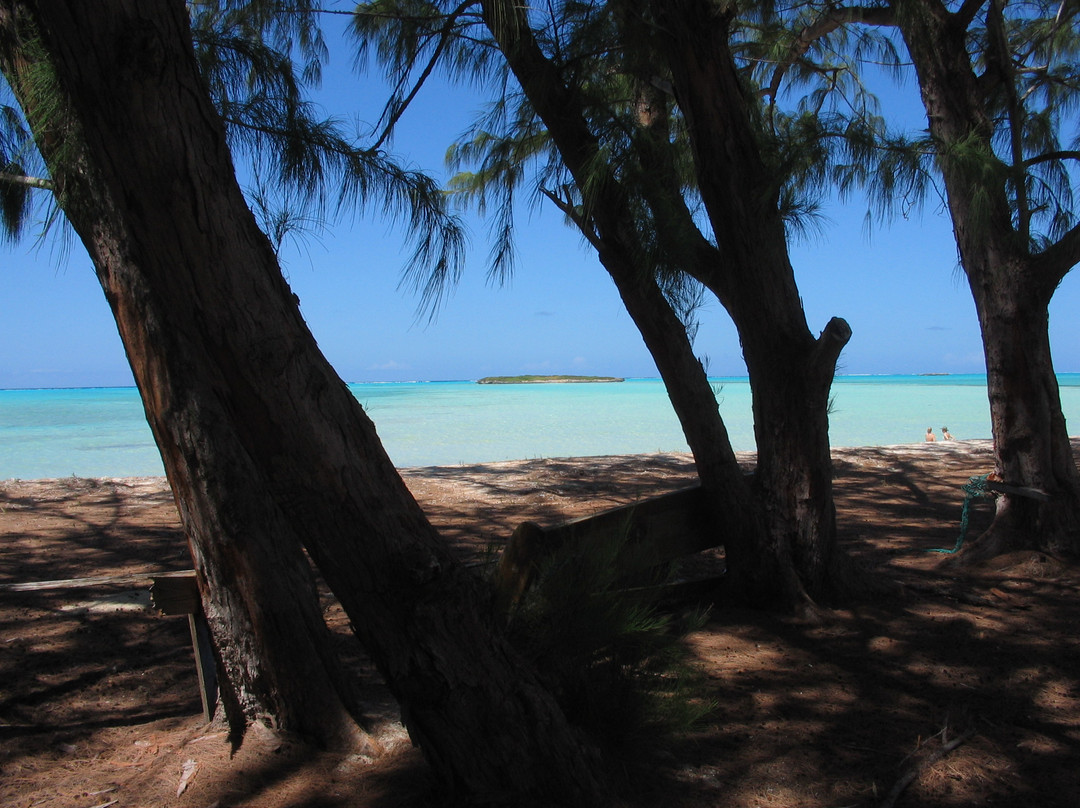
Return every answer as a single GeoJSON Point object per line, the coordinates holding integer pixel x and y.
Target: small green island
{"type": "Point", "coordinates": [547, 379]}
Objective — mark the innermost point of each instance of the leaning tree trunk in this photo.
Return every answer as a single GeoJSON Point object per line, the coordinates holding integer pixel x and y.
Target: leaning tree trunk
{"type": "Point", "coordinates": [1012, 289]}
{"type": "Point", "coordinates": [751, 575]}
{"type": "Point", "coordinates": [264, 445]}
{"type": "Point", "coordinates": [271, 642]}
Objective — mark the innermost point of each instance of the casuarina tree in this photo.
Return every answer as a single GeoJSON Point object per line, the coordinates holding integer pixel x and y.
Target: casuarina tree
{"type": "Point", "coordinates": [267, 452]}
{"type": "Point", "coordinates": [999, 83]}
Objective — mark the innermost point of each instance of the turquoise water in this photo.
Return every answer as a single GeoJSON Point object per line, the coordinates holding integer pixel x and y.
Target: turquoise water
{"type": "Point", "coordinates": [103, 433]}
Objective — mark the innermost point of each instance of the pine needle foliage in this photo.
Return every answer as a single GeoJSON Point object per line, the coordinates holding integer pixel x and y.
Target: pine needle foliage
{"type": "Point", "coordinates": [22, 169]}
{"type": "Point", "coordinates": [818, 126]}
{"type": "Point", "coordinates": [615, 660]}
{"type": "Point", "coordinates": [260, 59]}
{"type": "Point", "coordinates": [14, 192]}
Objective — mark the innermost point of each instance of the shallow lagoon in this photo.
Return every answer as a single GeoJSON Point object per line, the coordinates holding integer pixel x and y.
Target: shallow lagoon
{"type": "Point", "coordinates": [102, 432]}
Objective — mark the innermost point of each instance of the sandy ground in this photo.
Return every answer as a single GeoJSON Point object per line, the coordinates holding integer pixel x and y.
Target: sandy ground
{"type": "Point", "coordinates": [964, 691]}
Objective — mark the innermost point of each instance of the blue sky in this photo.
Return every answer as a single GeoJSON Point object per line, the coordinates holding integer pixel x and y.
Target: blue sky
{"type": "Point", "coordinates": [897, 285]}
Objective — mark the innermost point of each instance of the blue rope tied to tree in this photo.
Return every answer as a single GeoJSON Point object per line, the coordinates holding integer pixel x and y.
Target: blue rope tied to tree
{"type": "Point", "coordinates": [973, 488]}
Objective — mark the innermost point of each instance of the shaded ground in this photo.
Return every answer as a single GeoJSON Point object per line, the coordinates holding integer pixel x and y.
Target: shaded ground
{"type": "Point", "coordinates": [99, 704]}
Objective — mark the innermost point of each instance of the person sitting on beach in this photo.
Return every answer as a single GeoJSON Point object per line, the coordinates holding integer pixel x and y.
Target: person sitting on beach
{"type": "Point", "coordinates": [930, 434]}
{"type": "Point", "coordinates": [945, 433]}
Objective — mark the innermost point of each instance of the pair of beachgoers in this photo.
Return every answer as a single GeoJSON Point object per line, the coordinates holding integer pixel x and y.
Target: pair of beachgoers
{"type": "Point", "coordinates": [944, 434]}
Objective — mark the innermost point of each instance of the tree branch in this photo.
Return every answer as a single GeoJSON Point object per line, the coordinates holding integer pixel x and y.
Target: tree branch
{"type": "Point", "coordinates": [29, 182]}
{"type": "Point", "coordinates": [575, 216]}
{"type": "Point", "coordinates": [1055, 155]}
{"type": "Point", "coordinates": [833, 19]}
{"type": "Point", "coordinates": [830, 343]}
{"type": "Point", "coordinates": [1055, 262]}
{"type": "Point", "coordinates": [395, 111]}
{"type": "Point", "coordinates": [998, 58]}
{"type": "Point", "coordinates": [966, 13]}
{"type": "Point", "coordinates": [909, 777]}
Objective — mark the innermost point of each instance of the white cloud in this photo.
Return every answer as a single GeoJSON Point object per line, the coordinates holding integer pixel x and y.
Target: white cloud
{"type": "Point", "coordinates": [391, 365]}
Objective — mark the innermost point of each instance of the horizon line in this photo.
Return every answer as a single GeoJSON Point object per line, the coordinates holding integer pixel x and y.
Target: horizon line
{"type": "Point", "coordinates": [735, 377]}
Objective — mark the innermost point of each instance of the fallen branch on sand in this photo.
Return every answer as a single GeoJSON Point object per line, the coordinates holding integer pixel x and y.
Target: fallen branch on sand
{"type": "Point", "coordinates": [909, 776]}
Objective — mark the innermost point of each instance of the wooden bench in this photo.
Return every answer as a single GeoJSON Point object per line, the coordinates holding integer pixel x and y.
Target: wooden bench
{"type": "Point", "coordinates": [657, 530]}
{"type": "Point", "coordinates": [172, 593]}
{"type": "Point", "coordinates": [178, 594]}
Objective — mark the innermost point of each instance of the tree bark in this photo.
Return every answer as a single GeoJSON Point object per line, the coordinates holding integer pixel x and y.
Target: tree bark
{"type": "Point", "coordinates": [1011, 286]}
{"type": "Point", "coordinates": [263, 444]}
{"type": "Point", "coordinates": [739, 527]}
{"type": "Point", "coordinates": [790, 371]}
{"type": "Point", "coordinates": [1031, 442]}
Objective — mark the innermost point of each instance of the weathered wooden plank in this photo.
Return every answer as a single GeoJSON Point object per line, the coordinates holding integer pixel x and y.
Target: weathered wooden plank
{"type": "Point", "coordinates": [134, 578]}
{"type": "Point", "coordinates": [658, 530]}
{"type": "Point", "coordinates": [179, 595]}
{"type": "Point", "coordinates": [205, 666]}
{"type": "Point", "coordinates": [175, 594]}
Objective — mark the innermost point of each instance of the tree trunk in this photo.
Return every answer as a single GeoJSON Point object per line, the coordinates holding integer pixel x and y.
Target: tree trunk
{"type": "Point", "coordinates": [790, 371]}
{"type": "Point", "coordinates": [751, 574]}
{"type": "Point", "coordinates": [259, 597]}
{"type": "Point", "coordinates": [1012, 288]}
{"type": "Point", "coordinates": [1031, 442]}
{"type": "Point", "coordinates": [264, 445]}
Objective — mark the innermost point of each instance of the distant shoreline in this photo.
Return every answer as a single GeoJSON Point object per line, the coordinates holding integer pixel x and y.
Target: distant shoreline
{"type": "Point", "coordinates": [549, 379]}
{"type": "Point", "coordinates": [955, 451]}
{"type": "Point", "coordinates": [1069, 378]}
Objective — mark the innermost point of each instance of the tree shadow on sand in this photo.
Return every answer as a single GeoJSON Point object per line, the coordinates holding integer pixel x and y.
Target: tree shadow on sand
{"type": "Point", "coordinates": [831, 712]}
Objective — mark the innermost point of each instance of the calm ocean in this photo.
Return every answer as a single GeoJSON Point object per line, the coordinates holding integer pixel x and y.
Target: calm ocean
{"type": "Point", "coordinates": [102, 432]}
